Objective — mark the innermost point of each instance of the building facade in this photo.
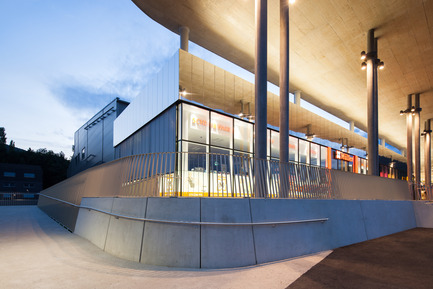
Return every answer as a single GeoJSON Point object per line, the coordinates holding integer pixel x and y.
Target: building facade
{"type": "Point", "coordinates": [93, 142]}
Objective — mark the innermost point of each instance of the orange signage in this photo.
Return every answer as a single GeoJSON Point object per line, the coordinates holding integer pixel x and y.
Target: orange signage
{"type": "Point", "coordinates": [342, 156]}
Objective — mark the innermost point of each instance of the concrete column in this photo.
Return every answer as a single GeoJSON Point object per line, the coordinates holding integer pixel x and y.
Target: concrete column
{"type": "Point", "coordinates": [260, 69]}
{"type": "Point", "coordinates": [352, 125]}
{"type": "Point", "coordinates": [372, 105]}
{"type": "Point", "coordinates": [427, 154]}
{"type": "Point", "coordinates": [284, 81]}
{"type": "Point", "coordinates": [184, 37]}
{"type": "Point", "coordinates": [409, 124]}
{"type": "Point", "coordinates": [298, 97]}
{"type": "Point", "coordinates": [382, 141]}
{"type": "Point", "coordinates": [416, 132]}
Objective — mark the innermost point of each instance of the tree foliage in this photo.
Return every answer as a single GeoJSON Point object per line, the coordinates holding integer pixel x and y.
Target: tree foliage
{"type": "Point", "coordinates": [2, 135]}
{"type": "Point", "coordinates": [54, 165]}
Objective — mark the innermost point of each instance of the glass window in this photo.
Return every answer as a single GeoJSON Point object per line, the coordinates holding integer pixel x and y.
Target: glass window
{"type": "Point", "coordinates": [275, 144]}
{"type": "Point", "coordinates": [195, 124]}
{"type": "Point", "coordinates": [268, 143]}
{"type": "Point", "coordinates": [293, 149]}
{"type": "Point", "coordinates": [363, 166]}
{"type": "Point", "coordinates": [315, 154]}
{"type": "Point", "coordinates": [29, 175]}
{"type": "Point", "coordinates": [304, 151]}
{"type": "Point", "coordinates": [9, 174]}
{"type": "Point", "coordinates": [323, 156]}
{"type": "Point", "coordinates": [221, 130]}
{"type": "Point", "coordinates": [195, 169]}
{"type": "Point", "coordinates": [219, 160]}
{"type": "Point", "coordinates": [196, 157]}
{"type": "Point", "coordinates": [243, 136]}
{"type": "Point", "coordinates": [83, 153]}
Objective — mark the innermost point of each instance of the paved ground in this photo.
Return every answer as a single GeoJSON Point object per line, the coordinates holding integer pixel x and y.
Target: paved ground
{"type": "Point", "coordinates": [403, 260]}
{"type": "Point", "coordinates": [36, 252]}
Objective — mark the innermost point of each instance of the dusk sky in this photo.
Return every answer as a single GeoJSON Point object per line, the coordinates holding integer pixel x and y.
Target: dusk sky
{"type": "Point", "coordinates": [63, 61]}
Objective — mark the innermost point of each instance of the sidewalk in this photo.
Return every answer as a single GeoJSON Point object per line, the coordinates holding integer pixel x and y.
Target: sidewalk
{"type": "Point", "coordinates": [36, 252]}
{"type": "Point", "coordinates": [402, 260]}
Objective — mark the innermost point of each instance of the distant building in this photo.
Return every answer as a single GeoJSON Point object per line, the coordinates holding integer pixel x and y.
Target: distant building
{"type": "Point", "coordinates": [20, 178]}
{"type": "Point", "coordinates": [93, 142]}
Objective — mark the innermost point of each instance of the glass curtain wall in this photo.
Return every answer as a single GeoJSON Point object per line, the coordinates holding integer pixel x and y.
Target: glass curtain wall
{"type": "Point", "coordinates": [201, 131]}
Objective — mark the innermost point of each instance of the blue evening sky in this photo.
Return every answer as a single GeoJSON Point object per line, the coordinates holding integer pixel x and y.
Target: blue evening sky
{"type": "Point", "coordinates": [63, 61]}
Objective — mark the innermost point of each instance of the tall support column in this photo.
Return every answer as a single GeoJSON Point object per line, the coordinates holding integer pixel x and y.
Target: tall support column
{"type": "Point", "coordinates": [427, 154]}
{"type": "Point", "coordinates": [184, 37]}
{"type": "Point", "coordinates": [298, 97]}
{"type": "Point", "coordinates": [284, 81]}
{"type": "Point", "coordinates": [416, 132]}
{"type": "Point", "coordinates": [409, 124]}
{"type": "Point", "coordinates": [372, 105]}
{"type": "Point", "coordinates": [261, 77]}
{"type": "Point", "coordinates": [284, 97]}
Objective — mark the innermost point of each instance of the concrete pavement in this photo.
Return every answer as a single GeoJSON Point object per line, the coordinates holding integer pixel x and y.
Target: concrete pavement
{"type": "Point", "coordinates": [36, 252]}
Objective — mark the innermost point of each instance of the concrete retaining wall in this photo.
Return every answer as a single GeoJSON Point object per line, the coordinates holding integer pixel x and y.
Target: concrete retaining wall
{"type": "Point", "coordinates": [215, 246]}
{"type": "Point", "coordinates": [350, 186]}
{"type": "Point", "coordinates": [423, 214]}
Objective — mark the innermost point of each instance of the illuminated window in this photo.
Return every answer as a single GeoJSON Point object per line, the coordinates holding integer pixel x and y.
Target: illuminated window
{"type": "Point", "coordinates": [315, 154]}
{"type": "Point", "coordinates": [323, 156]}
{"type": "Point", "coordinates": [243, 136]}
{"type": "Point", "coordinates": [293, 149]}
{"type": "Point", "coordinates": [29, 175]}
{"type": "Point", "coordinates": [275, 144]}
{"type": "Point", "coordinates": [221, 130]}
{"type": "Point", "coordinates": [9, 174]}
{"type": "Point", "coordinates": [304, 151]}
{"type": "Point", "coordinates": [195, 124]}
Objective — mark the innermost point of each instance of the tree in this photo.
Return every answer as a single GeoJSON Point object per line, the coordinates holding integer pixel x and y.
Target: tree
{"type": "Point", "coordinates": [2, 135]}
{"type": "Point", "coordinates": [12, 144]}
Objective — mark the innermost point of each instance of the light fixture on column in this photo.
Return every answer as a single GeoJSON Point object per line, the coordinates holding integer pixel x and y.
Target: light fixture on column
{"type": "Point", "coordinates": [363, 55]}
{"type": "Point", "coordinates": [182, 91]}
{"type": "Point", "coordinates": [292, 1]}
{"type": "Point", "coordinates": [309, 135]}
{"type": "Point", "coordinates": [244, 114]}
{"type": "Point", "coordinates": [381, 65]}
{"type": "Point", "coordinates": [363, 65]}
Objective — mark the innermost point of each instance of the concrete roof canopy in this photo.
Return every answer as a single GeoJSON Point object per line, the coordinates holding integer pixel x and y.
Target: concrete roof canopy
{"type": "Point", "coordinates": [326, 38]}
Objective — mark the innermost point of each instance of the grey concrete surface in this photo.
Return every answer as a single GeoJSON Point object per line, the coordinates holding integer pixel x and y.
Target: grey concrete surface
{"type": "Point", "coordinates": [172, 244]}
{"type": "Point", "coordinates": [364, 187]}
{"type": "Point", "coordinates": [36, 252]}
{"type": "Point", "coordinates": [93, 225]}
{"type": "Point", "coordinates": [124, 236]}
{"type": "Point", "coordinates": [219, 242]}
{"type": "Point", "coordinates": [383, 218]}
{"type": "Point", "coordinates": [423, 213]}
{"type": "Point", "coordinates": [210, 246]}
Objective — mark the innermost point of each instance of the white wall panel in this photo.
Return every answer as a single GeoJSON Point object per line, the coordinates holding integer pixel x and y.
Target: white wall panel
{"type": "Point", "coordinates": [159, 93]}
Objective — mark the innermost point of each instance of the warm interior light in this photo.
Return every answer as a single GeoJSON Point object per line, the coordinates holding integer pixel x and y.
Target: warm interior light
{"type": "Point", "coordinates": [401, 112]}
{"type": "Point", "coordinates": [292, 1]}
{"type": "Point", "coordinates": [412, 109]}
{"type": "Point", "coordinates": [363, 55]}
{"type": "Point", "coordinates": [363, 66]}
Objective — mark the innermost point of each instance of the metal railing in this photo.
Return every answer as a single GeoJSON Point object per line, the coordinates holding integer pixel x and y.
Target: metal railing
{"type": "Point", "coordinates": [420, 191]}
{"type": "Point", "coordinates": [219, 175]}
{"type": "Point", "coordinates": [18, 199]}
{"type": "Point", "coordinates": [181, 174]}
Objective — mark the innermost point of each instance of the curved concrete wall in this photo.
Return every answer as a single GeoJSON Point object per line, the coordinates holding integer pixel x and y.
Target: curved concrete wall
{"type": "Point", "coordinates": [213, 246]}
{"type": "Point", "coordinates": [352, 186]}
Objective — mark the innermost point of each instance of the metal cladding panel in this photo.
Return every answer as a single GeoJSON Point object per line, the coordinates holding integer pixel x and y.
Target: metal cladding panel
{"type": "Point", "coordinates": [159, 93]}
{"type": "Point", "coordinates": [159, 135]}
